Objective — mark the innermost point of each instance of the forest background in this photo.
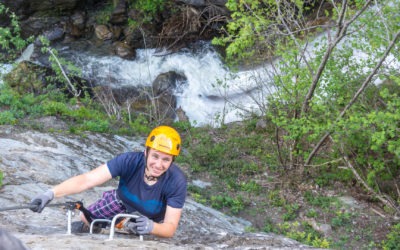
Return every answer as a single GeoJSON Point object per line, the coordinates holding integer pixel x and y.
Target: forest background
{"type": "Point", "coordinates": [318, 161]}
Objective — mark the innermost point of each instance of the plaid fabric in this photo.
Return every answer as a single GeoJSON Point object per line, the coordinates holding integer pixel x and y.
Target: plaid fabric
{"type": "Point", "coordinates": [107, 207]}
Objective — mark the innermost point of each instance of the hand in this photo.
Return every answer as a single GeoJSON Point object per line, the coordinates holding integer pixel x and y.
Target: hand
{"type": "Point", "coordinates": [131, 227]}
{"type": "Point", "coordinates": [41, 201]}
{"type": "Point", "coordinates": [144, 225]}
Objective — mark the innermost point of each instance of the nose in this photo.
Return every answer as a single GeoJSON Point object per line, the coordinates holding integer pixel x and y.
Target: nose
{"type": "Point", "coordinates": [159, 164]}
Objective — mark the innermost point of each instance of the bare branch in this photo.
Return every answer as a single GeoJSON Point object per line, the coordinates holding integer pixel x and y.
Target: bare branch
{"type": "Point", "coordinates": [74, 91]}
{"type": "Point", "coordinates": [364, 183]}
{"type": "Point", "coordinates": [341, 32]}
{"type": "Point", "coordinates": [361, 89]}
{"type": "Point", "coordinates": [294, 38]}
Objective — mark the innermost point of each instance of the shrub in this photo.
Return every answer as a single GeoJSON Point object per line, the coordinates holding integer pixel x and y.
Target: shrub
{"type": "Point", "coordinates": [392, 239]}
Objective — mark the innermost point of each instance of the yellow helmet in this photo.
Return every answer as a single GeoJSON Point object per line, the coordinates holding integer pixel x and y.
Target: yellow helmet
{"type": "Point", "coordinates": [164, 139]}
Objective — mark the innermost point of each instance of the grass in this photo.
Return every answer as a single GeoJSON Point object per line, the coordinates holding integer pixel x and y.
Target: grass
{"type": "Point", "coordinates": [87, 115]}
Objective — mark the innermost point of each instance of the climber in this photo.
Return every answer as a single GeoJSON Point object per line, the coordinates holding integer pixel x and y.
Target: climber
{"type": "Point", "coordinates": [150, 184]}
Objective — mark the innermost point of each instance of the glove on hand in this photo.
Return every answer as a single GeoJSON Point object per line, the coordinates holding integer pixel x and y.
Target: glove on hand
{"type": "Point", "coordinates": [144, 225]}
{"type": "Point", "coordinates": [41, 201]}
{"type": "Point", "coordinates": [131, 227]}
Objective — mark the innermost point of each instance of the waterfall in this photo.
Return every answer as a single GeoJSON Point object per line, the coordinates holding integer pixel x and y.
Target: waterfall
{"type": "Point", "coordinates": [201, 98]}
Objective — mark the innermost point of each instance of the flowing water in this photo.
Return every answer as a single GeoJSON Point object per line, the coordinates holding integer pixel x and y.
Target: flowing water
{"type": "Point", "coordinates": [201, 98]}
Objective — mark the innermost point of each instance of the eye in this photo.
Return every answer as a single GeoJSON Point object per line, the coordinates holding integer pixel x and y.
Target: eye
{"type": "Point", "coordinates": [166, 160]}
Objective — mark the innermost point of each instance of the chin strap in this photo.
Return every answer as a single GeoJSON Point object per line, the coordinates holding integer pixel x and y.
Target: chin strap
{"type": "Point", "coordinates": [151, 178]}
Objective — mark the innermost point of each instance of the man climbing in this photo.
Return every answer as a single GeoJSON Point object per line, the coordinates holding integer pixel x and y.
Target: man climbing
{"type": "Point", "coordinates": [150, 184]}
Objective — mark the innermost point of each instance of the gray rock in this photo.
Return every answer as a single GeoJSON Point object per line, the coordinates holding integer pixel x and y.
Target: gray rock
{"type": "Point", "coordinates": [261, 124]}
{"type": "Point", "coordinates": [123, 50]}
{"type": "Point", "coordinates": [201, 184]}
{"type": "Point", "coordinates": [8, 241]}
{"type": "Point", "coordinates": [103, 32]}
{"type": "Point", "coordinates": [350, 201]}
{"type": "Point", "coordinates": [197, 3]}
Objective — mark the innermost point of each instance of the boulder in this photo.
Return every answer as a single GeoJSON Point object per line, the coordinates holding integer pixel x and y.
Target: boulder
{"type": "Point", "coordinates": [103, 32]}
{"type": "Point", "coordinates": [219, 2]}
{"type": "Point", "coordinates": [196, 3]}
{"type": "Point", "coordinates": [123, 50]}
{"type": "Point", "coordinates": [163, 88]}
{"type": "Point", "coordinates": [35, 25]}
{"type": "Point", "coordinates": [118, 15]}
{"type": "Point", "coordinates": [78, 20]}
{"type": "Point", "coordinates": [182, 117]}
{"type": "Point", "coordinates": [116, 30]}
{"type": "Point", "coordinates": [144, 36]}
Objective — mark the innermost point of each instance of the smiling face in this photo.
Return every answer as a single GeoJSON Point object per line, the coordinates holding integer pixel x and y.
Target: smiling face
{"type": "Point", "coordinates": [157, 162]}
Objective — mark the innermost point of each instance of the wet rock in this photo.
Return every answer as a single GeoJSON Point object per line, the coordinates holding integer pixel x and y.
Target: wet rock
{"type": "Point", "coordinates": [197, 3]}
{"type": "Point", "coordinates": [219, 2]}
{"type": "Point", "coordinates": [166, 82]}
{"type": "Point", "coordinates": [118, 15]}
{"type": "Point", "coordinates": [116, 30]}
{"type": "Point", "coordinates": [123, 50]}
{"type": "Point", "coordinates": [182, 117]}
{"type": "Point", "coordinates": [145, 36]}
{"type": "Point", "coordinates": [103, 32]}
{"type": "Point", "coordinates": [54, 34]}
{"type": "Point", "coordinates": [163, 88]}
{"type": "Point", "coordinates": [78, 19]}
{"type": "Point", "coordinates": [77, 25]}
{"type": "Point", "coordinates": [35, 25]}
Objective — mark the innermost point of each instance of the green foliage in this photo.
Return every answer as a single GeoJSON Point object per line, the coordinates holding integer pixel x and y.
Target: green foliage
{"type": "Point", "coordinates": [275, 199]}
{"type": "Point", "coordinates": [306, 236]}
{"type": "Point", "coordinates": [318, 200]}
{"type": "Point", "coordinates": [234, 204]}
{"type": "Point", "coordinates": [251, 187]}
{"type": "Point", "coordinates": [392, 240]}
{"type": "Point", "coordinates": [62, 68]}
{"type": "Point", "coordinates": [150, 7]}
{"type": "Point", "coordinates": [369, 129]}
{"type": "Point", "coordinates": [10, 36]}
{"type": "Point", "coordinates": [55, 108]}
{"type": "Point", "coordinates": [291, 212]}
{"type": "Point", "coordinates": [103, 15]}
{"type": "Point", "coordinates": [98, 125]}
{"type": "Point", "coordinates": [269, 226]}
{"type": "Point", "coordinates": [7, 117]}
{"type": "Point", "coordinates": [341, 219]}
{"type": "Point", "coordinates": [312, 213]}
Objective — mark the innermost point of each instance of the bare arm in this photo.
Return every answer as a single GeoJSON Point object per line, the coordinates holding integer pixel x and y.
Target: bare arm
{"type": "Point", "coordinates": [170, 224]}
{"type": "Point", "coordinates": [83, 182]}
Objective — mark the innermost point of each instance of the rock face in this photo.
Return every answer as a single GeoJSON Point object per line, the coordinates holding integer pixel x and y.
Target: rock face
{"type": "Point", "coordinates": [163, 88]}
{"type": "Point", "coordinates": [32, 161]}
{"type": "Point", "coordinates": [123, 50]}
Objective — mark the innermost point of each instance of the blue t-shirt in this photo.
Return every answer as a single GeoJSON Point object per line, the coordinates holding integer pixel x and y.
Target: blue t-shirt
{"type": "Point", "coordinates": [151, 201]}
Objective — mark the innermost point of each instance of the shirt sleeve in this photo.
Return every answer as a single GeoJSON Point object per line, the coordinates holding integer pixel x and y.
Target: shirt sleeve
{"type": "Point", "coordinates": [177, 196]}
{"type": "Point", "coordinates": [120, 164]}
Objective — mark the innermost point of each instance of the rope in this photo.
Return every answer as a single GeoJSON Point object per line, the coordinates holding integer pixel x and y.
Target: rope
{"type": "Point", "coordinates": [31, 206]}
